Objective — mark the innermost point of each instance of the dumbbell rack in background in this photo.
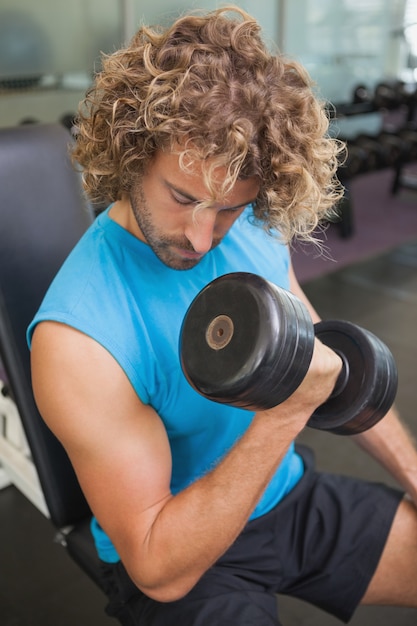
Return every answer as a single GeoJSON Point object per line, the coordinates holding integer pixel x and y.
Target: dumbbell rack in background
{"type": "Point", "coordinates": [16, 466]}
{"type": "Point", "coordinates": [380, 132]}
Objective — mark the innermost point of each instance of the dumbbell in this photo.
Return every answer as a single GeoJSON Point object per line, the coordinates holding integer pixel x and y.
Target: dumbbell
{"type": "Point", "coordinates": [398, 148]}
{"type": "Point", "coordinates": [390, 95]}
{"type": "Point", "coordinates": [356, 162]}
{"type": "Point", "coordinates": [378, 154]}
{"type": "Point", "coordinates": [247, 343]}
{"type": "Point", "coordinates": [361, 94]}
{"type": "Point", "coordinates": [408, 134]}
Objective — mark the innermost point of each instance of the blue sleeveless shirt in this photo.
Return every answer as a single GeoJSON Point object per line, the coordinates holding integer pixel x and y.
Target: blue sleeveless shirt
{"type": "Point", "coordinates": [113, 288]}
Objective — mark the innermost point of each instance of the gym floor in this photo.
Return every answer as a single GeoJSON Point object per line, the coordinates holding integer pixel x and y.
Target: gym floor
{"type": "Point", "coordinates": [40, 586]}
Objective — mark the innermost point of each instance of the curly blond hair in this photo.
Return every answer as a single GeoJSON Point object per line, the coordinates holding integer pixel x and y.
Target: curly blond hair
{"type": "Point", "coordinates": [208, 88]}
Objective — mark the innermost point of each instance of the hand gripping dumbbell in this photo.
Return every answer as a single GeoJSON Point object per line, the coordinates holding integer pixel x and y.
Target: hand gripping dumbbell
{"type": "Point", "coordinates": [248, 343]}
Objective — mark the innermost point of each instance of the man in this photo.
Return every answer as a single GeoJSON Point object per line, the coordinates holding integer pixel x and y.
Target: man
{"type": "Point", "coordinates": [206, 147]}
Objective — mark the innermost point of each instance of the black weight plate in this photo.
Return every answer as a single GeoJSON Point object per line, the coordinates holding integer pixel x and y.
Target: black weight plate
{"type": "Point", "coordinates": [245, 342]}
{"type": "Point", "coordinates": [371, 386]}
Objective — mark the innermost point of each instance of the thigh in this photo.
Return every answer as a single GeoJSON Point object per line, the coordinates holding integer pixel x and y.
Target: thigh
{"type": "Point", "coordinates": [343, 527]}
{"type": "Point", "coordinates": [219, 598]}
{"type": "Point", "coordinates": [395, 579]}
{"type": "Point", "coordinates": [322, 542]}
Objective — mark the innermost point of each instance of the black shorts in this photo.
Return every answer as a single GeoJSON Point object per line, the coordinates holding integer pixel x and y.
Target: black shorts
{"type": "Point", "coordinates": [322, 544]}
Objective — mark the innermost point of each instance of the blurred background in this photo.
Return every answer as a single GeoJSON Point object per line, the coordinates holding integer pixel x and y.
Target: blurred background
{"type": "Point", "coordinates": [50, 49]}
{"type": "Point", "coordinates": [362, 55]}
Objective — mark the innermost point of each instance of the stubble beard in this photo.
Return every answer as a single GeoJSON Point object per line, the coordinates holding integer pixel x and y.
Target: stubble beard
{"type": "Point", "coordinates": [163, 246]}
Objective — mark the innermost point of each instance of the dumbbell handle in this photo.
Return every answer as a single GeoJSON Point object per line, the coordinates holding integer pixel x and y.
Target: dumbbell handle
{"type": "Point", "coordinates": [343, 377]}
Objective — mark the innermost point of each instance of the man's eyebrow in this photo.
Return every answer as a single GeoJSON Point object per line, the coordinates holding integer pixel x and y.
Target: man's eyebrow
{"type": "Point", "coordinates": [191, 198]}
{"type": "Point", "coordinates": [182, 192]}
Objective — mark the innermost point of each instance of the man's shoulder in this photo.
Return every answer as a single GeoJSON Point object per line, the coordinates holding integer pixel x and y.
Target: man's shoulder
{"type": "Point", "coordinates": [249, 247]}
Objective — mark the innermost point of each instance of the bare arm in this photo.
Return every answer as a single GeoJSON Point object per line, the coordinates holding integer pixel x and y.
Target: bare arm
{"type": "Point", "coordinates": [388, 442]}
{"type": "Point", "coordinates": [120, 452]}
{"type": "Point", "coordinates": [296, 289]}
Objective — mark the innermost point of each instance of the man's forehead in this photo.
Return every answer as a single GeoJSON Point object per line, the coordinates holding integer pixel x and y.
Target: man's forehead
{"type": "Point", "coordinates": [201, 179]}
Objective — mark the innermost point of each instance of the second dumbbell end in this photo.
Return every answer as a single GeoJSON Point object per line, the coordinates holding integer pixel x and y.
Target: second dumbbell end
{"type": "Point", "coordinates": [367, 386]}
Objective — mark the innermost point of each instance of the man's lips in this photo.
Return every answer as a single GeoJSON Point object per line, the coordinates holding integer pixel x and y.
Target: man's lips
{"type": "Point", "coordinates": [188, 254]}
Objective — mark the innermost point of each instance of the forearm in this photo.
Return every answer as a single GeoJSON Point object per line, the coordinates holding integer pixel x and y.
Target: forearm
{"type": "Point", "coordinates": [187, 533]}
{"type": "Point", "coordinates": [391, 445]}
{"type": "Point", "coordinates": [194, 528]}
{"type": "Point", "coordinates": [388, 442]}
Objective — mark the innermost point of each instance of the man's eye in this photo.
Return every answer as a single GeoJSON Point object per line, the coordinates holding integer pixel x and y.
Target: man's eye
{"type": "Point", "coordinates": [235, 209]}
{"type": "Point", "coordinates": [182, 199]}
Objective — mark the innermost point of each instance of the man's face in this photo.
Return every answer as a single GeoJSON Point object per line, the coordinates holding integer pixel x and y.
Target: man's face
{"type": "Point", "coordinates": [163, 208]}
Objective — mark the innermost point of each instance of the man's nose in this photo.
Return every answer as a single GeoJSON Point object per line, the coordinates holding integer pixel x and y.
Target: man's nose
{"type": "Point", "coordinates": [200, 230]}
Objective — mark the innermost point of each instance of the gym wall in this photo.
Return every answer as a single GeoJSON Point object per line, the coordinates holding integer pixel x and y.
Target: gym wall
{"type": "Point", "coordinates": [49, 49]}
